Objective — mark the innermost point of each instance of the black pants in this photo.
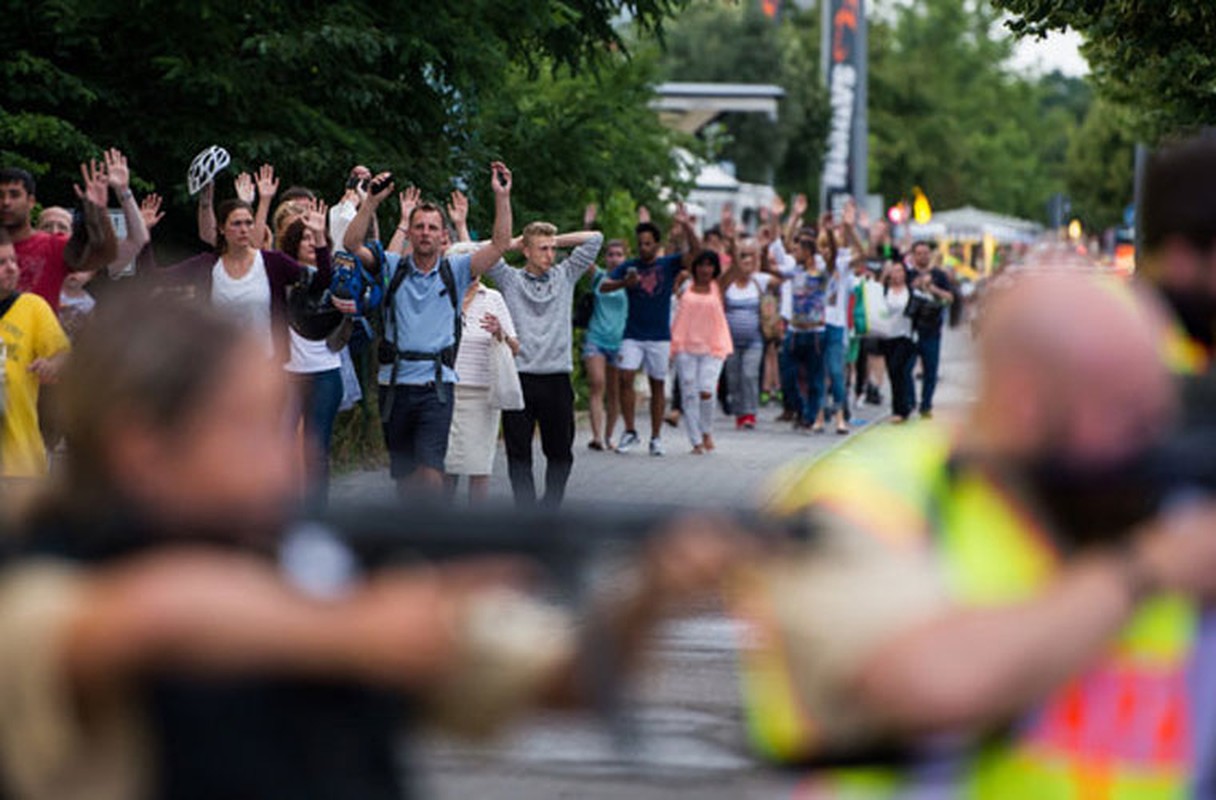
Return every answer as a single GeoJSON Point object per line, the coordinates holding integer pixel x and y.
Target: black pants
{"type": "Point", "coordinates": [549, 403]}
{"type": "Point", "coordinates": [900, 354]}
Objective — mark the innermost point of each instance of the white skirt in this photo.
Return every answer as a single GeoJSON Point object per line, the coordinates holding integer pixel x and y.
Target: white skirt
{"type": "Point", "coordinates": [474, 432]}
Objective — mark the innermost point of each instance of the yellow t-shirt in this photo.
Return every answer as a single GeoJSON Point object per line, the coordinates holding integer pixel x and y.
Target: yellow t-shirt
{"type": "Point", "coordinates": [28, 332]}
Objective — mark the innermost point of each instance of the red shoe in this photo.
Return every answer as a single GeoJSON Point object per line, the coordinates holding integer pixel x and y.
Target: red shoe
{"type": "Point", "coordinates": [740, 422]}
{"type": "Point", "coordinates": [749, 422]}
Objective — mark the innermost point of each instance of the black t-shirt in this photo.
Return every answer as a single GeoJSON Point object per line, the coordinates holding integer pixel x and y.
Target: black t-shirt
{"type": "Point", "coordinates": [941, 280]}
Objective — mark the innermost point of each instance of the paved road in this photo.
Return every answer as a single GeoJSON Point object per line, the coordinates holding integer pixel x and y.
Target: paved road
{"type": "Point", "coordinates": [687, 711]}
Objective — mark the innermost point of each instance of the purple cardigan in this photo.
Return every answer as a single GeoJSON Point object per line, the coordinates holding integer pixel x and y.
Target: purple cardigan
{"type": "Point", "coordinates": [193, 277]}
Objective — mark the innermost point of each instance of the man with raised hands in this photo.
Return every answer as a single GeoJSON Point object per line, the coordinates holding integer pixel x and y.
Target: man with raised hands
{"type": "Point", "coordinates": [422, 324]}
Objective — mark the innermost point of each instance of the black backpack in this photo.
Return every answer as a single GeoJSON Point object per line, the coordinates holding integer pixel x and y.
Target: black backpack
{"type": "Point", "coordinates": [584, 308]}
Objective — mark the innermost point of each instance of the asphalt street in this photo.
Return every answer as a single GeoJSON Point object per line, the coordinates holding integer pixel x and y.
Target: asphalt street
{"type": "Point", "coordinates": [687, 738]}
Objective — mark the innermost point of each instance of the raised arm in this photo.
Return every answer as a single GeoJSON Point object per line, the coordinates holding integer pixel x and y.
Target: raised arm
{"type": "Point", "coordinates": [268, 187]}
{"type": "Point", "coordinates": [99, 244]}
{"type": "Point", "coordinates": [458, 214]}
{"type": "Point", "coordinates": [206, 214]}
{"type": "Point", "coordinates": [794, 222]}
{"type": "Point", "coordinates": [119, 176]}
{"type": "Point", "coordinates": [689, 241]}
{"type": "Point", "coordinates": [356, 231]}
{"type": "Point", "coordinates": [587, 246]}
{"type": "Point", "coordinates": [408, 200]}
{"type": "Point", "coordinates": [490, 254]}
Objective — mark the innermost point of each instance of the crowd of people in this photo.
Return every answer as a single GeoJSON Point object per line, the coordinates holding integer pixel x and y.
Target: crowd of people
{"type": "Point", "coordinates": [735, 321]}
{"type": "Point", "coordinates": [1015, 606]}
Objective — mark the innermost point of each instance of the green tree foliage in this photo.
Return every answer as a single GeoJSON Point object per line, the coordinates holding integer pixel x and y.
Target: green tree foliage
{"type": "Point", "coordinates": [316, 87]}
{"type": "Point", "coordinates": [579, 138]}
{"type": "Point", "coordinates": [1101, 166]}
{"type": "Point", "coordinates": [717, 42]}
{"type": "Point", "coordinates": [949, 114]}
{"type": "Point", "coordinates": [1154, 57]}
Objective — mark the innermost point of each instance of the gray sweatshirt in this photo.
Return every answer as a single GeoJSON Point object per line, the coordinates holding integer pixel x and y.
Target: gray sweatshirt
{"type": "Point", "coordinates": [541, 307]}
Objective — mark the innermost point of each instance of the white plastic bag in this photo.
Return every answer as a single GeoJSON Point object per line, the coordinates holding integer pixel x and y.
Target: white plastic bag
{"type": "Point", "coordinates": [505, 390]}
{"type": "Point", "coordinates": [352, 392]}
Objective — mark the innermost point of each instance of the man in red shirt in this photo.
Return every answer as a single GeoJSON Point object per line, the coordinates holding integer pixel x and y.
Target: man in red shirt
{"type": "Point", "coordinates": [45, 259]}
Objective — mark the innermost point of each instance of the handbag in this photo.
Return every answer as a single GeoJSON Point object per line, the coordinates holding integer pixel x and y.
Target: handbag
{"type": "Point", "coordinates": [770, 314]}
{"type": "Point", "coordinates": [924, 310]}
{"type": "Point", "coordinates": [506, 393]}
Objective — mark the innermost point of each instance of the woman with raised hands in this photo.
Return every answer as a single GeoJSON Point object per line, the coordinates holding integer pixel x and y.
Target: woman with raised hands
{"type": "Point", "coordinates": [248, 282]}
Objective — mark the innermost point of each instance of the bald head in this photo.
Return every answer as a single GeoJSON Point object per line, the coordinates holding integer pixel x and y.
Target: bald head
{"type": "Point", "coordinates": [1071, 364]}
{"type": "Point", "coordinates": [55, 219]}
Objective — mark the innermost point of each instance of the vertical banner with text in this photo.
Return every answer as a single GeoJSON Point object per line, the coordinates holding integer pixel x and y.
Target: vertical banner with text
{"type": "Point", "coordinates": [845, 61]}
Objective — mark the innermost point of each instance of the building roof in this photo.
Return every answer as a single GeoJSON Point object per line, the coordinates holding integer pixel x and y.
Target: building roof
{"type": "Point", "coordinates": [689, 107]}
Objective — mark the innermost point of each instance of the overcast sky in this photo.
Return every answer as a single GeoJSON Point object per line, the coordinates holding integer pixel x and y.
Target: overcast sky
{"type": "Point", "coordinates": [1058, 51]}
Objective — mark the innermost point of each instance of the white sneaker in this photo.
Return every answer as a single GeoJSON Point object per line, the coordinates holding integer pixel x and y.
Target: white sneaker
{"type": "Point", "coordinates": [629, 440]}
{"type": "Point", "coordinates": [656, 447]}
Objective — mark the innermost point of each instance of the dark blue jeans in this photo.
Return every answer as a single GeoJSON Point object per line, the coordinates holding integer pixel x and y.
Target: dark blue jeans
{"type": "Point", "coordinates": [317, 398]}
{"type": "Point", "coordinates": [787, 369]}
{"type": "Point", "coordinates": [807, 350]}
{"type": "Point", "coordinates": [833, 356]}
{"type": "Point", "coordinates": [929, 348]}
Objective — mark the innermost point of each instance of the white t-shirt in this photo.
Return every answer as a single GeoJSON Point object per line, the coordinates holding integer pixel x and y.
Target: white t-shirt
{"type": "Point", "coordinates": [340, 218]}
{"type": "Point", "coordinates": [473, 359]}
{"type": "Point", "coordinates": [247, 298]}
{"type": "Point", "coordinates": [840, 288]}
{"type": "Point", "coordinates": [308, 357]}
{"type": "Point", "coordinates": [894, 321]}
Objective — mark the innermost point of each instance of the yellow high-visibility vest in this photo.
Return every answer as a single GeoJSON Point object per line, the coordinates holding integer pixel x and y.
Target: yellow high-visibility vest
{"type": "Point", "coordinates": [1119, 731]}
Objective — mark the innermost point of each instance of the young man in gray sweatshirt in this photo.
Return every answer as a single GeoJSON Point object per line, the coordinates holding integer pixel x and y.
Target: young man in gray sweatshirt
{"type": "Point", "coordinates": [541, 297]}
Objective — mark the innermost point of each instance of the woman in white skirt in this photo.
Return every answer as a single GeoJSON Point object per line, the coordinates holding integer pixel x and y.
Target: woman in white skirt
{"type": "Point", "coordinates": [474, 432]}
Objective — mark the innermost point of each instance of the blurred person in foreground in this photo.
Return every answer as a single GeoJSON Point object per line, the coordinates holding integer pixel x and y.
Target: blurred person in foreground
{"type": "Point", "coordinates": [161, 638]}
{"type": "Point", "coordinates": [1177, 260]}
{"type": "Point", "coordinates": [996, 610]}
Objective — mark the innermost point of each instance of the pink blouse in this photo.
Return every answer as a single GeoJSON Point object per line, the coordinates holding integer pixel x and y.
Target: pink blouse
{"type": "Point", "coordinates": [700, 325]}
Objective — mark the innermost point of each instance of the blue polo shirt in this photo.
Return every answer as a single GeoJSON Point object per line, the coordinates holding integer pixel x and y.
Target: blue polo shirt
{"type": "Point", "coordinates": [422, 317]}
{"type": "Point", "coordinates": [649, 317]}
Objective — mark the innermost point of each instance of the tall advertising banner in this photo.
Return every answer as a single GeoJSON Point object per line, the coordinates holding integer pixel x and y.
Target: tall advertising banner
{"type": "Point", "coordinates": [845, 61]}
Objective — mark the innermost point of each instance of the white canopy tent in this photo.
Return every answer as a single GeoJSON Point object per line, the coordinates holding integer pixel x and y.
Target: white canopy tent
{"type": "Point", "coordinates": [972, 227]}
{"type": "Point", "coordinates": [970, 224]}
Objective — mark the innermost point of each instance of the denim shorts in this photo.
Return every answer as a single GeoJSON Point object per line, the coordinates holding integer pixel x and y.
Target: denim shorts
{"type": "Point", "coordinates": [416, 431]}
{"type": "Point", "coordinates": [591, 350]}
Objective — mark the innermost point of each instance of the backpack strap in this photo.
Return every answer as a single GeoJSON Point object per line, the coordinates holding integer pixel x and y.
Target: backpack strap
{"type": "Point", "coordinates": [445, 357]}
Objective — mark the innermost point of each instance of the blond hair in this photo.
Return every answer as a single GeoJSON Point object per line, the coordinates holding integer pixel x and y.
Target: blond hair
{"type": "Point", "coordinates": [535, 230]}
